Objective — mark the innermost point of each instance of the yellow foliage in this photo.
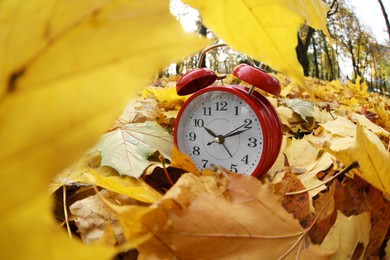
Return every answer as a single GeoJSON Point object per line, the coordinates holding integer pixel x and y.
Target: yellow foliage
{"type": "Point", "coordinates": [367, 149]}
{"type": "Point", "coordinates": [67, 69]}
{"type": "Point", "coordinates": [266, 30]}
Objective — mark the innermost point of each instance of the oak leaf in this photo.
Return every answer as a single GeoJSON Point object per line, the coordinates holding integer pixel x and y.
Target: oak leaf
{"type": "Point", "coordinates": [128, 148]}
{"type": "Point", "coordinates": [217, 217]}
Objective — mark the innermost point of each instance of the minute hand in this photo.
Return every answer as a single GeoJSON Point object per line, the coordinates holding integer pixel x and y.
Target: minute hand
{"type": "Point", "coordinates": [235, 133]}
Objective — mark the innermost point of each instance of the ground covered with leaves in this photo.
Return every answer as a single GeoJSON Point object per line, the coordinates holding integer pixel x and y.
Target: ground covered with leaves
{"type": "Point", "coordinates": [325, 196]}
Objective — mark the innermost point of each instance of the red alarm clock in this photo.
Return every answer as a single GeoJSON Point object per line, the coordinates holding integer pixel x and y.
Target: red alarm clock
{"type": "Point", "coordinates": [228, 125]}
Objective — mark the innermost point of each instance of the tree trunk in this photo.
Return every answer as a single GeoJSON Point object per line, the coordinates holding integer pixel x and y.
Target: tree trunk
{"type": "Point", "coordinates": [386, 17]}
{"type": "Point", "coordinates": [317, 72]}
{"type": "Point", "coordinates": [301, 51]}
{"type": "Point", "coordinates": [328, 56]}
{"type": "Point", "coordinates": [203, 32]}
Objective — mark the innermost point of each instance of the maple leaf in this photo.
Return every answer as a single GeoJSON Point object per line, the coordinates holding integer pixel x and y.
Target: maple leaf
{"type": "Point", "coordinates": [341, 127]}
{"type": "Point", "coordinates": [82, 174]}
{"type": "Point", "coordinates": [363, 121]}
{"type": "Point", "coordinates": [302, 107]}
{"type": "Point", "coordinates": [368, 150]}
{"type": "Point", "coordinates": [266, 30]}
{"type": "Point", "coordinates": [127, 149]}
{"type": "Point", "coordinates": [216, 217]}
{"type": "Point", "coordinates": [65, 72]}
{"type": "Point", "coordinates": [355, 196]}
{"type": "Point", "coordinates": [347, 233]}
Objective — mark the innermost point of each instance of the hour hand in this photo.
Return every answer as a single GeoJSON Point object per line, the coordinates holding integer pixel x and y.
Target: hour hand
{"type": "Point", "coordinates": [210, 132]}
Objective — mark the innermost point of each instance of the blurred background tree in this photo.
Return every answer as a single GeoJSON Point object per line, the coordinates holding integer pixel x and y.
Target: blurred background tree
{"type": "Point", "coordinates": [352, 52]}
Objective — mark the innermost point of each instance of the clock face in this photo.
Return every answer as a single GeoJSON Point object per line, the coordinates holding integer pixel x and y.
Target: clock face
{"type": "Point", "coordinates": [222, 127]}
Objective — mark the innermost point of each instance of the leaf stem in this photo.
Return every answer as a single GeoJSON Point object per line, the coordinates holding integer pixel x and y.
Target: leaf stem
{"type": "Point", "coordinates": [165, 170]}
{"type": "Point", "coordinates": [240, 235]}
{"type": "Point", "coordinates": [66, 211]}
{"type": "Point", "coordinates": [354, 164]}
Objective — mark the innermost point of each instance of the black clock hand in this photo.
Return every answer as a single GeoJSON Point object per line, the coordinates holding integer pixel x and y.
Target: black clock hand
{"type": "Point", "coordinates": [210, 132]}
{"type": "Point", "coordinates": [227, 150]}
{"type": "Point", "coordinates": [236, 133]}
{"type": "Point", "coordinates": [234, 130]}
{"type": "Point", "coordinates": [213, 135]}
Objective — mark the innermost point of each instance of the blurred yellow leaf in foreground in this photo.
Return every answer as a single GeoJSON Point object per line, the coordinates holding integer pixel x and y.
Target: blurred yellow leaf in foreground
{"type": "Point", "coordinates": [67, 68]}
{"type": "Point", "coordinates": [266, 30]}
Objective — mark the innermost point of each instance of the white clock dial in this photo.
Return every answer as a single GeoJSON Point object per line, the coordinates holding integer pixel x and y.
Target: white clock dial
{"type": "Point", "coordinates": [220, 128]}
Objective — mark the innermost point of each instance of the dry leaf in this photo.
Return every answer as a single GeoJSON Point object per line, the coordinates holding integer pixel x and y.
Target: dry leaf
{"type": "Point", "coordinates": [347, 233]}
{"type": "Point", "coordinates": [83, 174]}
{"type": "Point", "coordinates": [302, 107]}
{"type": "Point", "coordinates": [355, 196]}
{"type": "Point", "coordinates": [363, 121]}
{"type": "Point", "coordinates": [92, 217]}
{"type": "Point", "coordinates": [371, 155]}
{"type": "Point", "coordinates": [183, 161]}
{"type": "Point", "coordinates": [341, 127]}
{"type": "Point", "coordinates": [325, 210]}
{"type": "Point", "coordinates": [298, 205]}
{"type": "Point", "coordinates": [197, 220]}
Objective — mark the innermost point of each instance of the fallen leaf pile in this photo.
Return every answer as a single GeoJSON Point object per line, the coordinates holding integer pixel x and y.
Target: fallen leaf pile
{"type": "Point", "coordinates": [325, 196]}
{"type": "Point", "coordinates": [68, 67]}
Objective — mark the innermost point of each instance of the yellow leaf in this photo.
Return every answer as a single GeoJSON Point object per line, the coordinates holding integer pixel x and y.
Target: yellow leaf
{"type": "Point", "coordinates": [309, 178]}
{"type": "Point", "coordinates": [167, 94]}
{"type": "Point", "coordinates": [314, 12]}
{"type": "Point", "coordinates": [364, 121]}
{"type": "Point", "coordinates": [67, 69]}
{"type": "Point", "coordinates": [285, 113]}
{"type": "Point", "coordinates": [347, 233]}
{"type": "Point", "coordinates": [266, 30]}
{"type": "Point", "coordinates": [108, 179]}
{"type": "Point", "coordinates": [368, 150]}
{"type": "Point", "coordinates": [183, 161]}
{"type": "Point", "coordinates": [125, 185]}
{"type": "Point", "coordinates": [341, 127]}
{"type": "Point", "coordinates": [30, 232]}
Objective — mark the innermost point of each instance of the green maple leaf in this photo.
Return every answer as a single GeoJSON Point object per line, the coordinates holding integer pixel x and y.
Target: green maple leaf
{"type": "Point", "coordinates": [127, 149]}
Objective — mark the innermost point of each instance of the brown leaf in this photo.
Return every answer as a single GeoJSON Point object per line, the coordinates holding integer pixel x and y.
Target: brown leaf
{"type": "Point", "coordinates": [355, 196]}
{"type": "Point", "coordinates": [325, 209]}
{"type": "Point", "coordinates": [299, 204]}
{"type": "Point", "coordinates": [217, 217]}
{"type": "Point", "coordinates": [93, 217]}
